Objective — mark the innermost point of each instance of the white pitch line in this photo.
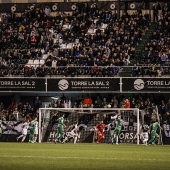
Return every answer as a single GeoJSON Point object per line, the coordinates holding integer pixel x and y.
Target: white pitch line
{"type": "Point", "coordinates": [81, 158]}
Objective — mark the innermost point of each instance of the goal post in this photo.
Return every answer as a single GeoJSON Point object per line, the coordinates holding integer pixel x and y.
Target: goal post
{"type": "Point", "coordinates": [89, 117]}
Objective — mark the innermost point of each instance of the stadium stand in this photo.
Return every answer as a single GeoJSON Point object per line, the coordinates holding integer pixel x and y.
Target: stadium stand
{"type": "Point", "coordinates": [87, 43]}
{"type": "Point", "coordinates": [44, 45]}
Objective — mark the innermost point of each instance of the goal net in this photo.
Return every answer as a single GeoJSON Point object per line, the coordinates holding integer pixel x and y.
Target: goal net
{"type": "Point", "coordinates": [88, 118]}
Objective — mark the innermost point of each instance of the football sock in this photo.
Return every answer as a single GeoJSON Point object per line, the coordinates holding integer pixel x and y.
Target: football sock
{"type": "Point", "coordinates": [56, 136]}
{"type": "Point", "coordinates": [156, 139]}
{"type": "Point", "coordinates": [35, 139]}
{"type": "Point", "coordinates": [111, 139]}
{"type": "Point", "coordinates": [30, 137]}
{"type": "Point", "coordinates": [75, 140]}
{"type": "Point", "coordinates": [61, 137]}
{"type": "Point", "coordinates": [23, 139]}
{"type": "Point", "coordinates": [20, 136]}
{"type": "Point", "coordinates": [99, 138]}
{"type": "Point", "coordinates": [116, 139]}
{"type": "Point", "coordinates": [150, 141]}
{"type": "Point", "coordinates": [65, 139]}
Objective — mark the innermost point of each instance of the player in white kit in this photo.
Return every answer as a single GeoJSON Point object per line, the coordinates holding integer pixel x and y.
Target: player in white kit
{"type": "Point", "coordinates": [25, 127]}
{"type": "Point", "coordinates": [144, 134]}
{"type": "Point", "coordinates": [35, 130]}
{"type": "Point", "coordinates": [73, 133]}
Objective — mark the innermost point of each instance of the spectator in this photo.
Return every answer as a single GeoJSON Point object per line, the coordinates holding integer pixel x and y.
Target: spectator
{"type": "Point", "coordinates": [16, 114]}
{"type": "Point", "coordinates": [37, 103]}
{"type": "Point", "coordinates": [156, 8]}
{"type": "Point", "coordinates": [24, 110]}
{"type": "Point", "coordinates": [164, 58]}
{"type": "Point", "coordinates": [167, 107]}
{"type": "Point", "coordinates": [135, 71]}
{"type": "Point", "coordinates": [127, 103]}
{"type": "Point", "coordinates": [67, 103]}
{"type": "Point", "coordinates": [11, 107]}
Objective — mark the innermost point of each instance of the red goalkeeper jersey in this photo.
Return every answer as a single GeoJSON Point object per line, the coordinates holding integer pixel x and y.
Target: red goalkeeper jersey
{"type": "Point", "coordinates": [100, 127]}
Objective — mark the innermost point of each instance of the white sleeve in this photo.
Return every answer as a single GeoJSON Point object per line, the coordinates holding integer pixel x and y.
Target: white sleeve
{"type": "Point", "coordinates": [114, 117]}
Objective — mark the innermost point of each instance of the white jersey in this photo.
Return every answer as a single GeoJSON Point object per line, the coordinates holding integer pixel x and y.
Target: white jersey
{"type": "Point", "coordinates": [16, 113]}
{"type": "Point", "coordinates": [25, 128]}
{"type": "Point", "coordinates": [73, 131]}
{"type": "Point", "coordinates": [144, 134]}
{"type": "Point", "coordinates": [74, 128]}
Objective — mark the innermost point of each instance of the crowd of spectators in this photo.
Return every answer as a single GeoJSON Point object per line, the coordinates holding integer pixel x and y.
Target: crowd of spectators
{"type": "Point", "coordinates": [20, 111]}
{"type": "Point", "coordinates": [37, 35]}
{"type": "Point", "coordinates": [156, 53]}
{"type": "Point", "coordinates": [146, 104]}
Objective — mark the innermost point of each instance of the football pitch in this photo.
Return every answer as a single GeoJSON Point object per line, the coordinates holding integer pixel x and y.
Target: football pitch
{"type": "Point", "coordinates": [50, 156]}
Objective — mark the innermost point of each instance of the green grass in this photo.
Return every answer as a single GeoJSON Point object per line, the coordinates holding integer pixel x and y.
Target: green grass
{"type": "Point", "coordinates": [45, 156]}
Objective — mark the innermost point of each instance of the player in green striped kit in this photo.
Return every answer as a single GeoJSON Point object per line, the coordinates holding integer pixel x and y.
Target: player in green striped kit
{"type": "Point", "coordinates": [153, 130]}
{"type": "Point", "coordinates": [32, 127]}
{"type": "Point", "coordinates": [119, 123]}
{"type": "Point", "coordinates": [60, 129]}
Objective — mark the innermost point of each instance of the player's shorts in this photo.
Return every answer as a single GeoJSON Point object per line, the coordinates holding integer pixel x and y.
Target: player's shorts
{"type": "Point", "coordinates": [31, 130]}
{"type": "Point", "coordinates": [100, 133]}
{"type": "Point", "coordinates": [60, 129]}
{"type": "Point", "coordinates": [117, 131]}
{"type": "Point", "coordinates": [154, 134]}
{"type": "Point", "coordinates": [36, 131]}
{"type": "Point", "coordinates": [71, 134]}
{"type": "Point", "coordinates": [24, 131]}
{"type": "Point", "coordinates": [111, 132]}
{"type": "Point", "coordinates": [145, 135]}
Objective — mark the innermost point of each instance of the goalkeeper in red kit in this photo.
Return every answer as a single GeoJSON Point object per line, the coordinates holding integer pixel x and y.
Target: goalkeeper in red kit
{"type": "Point", "coordinates": [100, 131]}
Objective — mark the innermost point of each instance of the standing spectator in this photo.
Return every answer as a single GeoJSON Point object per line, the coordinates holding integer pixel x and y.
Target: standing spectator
{"type": "Point", "coordinates": [156, 8]}
{"type": "Point", "coordinates": [11, 107]}
{"type": "Point", "coordinates": [24, 110]}
{"type": "Point", "coordinates": [31, 112]}
{"type": "Point", "coordinates": [28, 117]}
{"type": "Point", "coordinates": [164, 58]}
{"type": "Point", "coordinates": [2, 107]}
{"type": "Point", "coordinates": [7, 116]}
{"type": "Point", "coordinates": [135, 71]}
{"type": "Point", "coordinates": [37, 103]}
{"type": "Point", "coordinates": [162, 111]}
{"type": "Point", "coordinates": [16, 114]}
{"type": "Point", "coordinates": [127, 103]}
{"type": "Point", "coordinates": [167, 118]}
{"type": "Point", "coordinates": [28, 105]}
{"type": "Point", "coordinates": [133, 102]}
{"type": "Point", "coordinates": [104, 103]}
{"type": "Point", "coordinates": [77, 100]}
{"type": "Point", "coordinates": [20, 106]}
{"type": "Point", "coordinates": [67, 103]}
{"type": "Point", "coordinates": [165, 9]}
{"type": "Point", "coordinates": [168, 106]}
{"type": "Point", "coordinates": [115, 101]}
